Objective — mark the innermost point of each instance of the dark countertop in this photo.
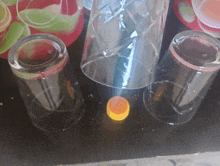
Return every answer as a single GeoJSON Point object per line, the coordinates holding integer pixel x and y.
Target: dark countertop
{"type": "Point", "coordinates": [96, 137]}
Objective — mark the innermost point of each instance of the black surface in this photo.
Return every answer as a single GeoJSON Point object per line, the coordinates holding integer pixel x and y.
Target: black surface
{"type": "Point", "coordinates": [96, 137]}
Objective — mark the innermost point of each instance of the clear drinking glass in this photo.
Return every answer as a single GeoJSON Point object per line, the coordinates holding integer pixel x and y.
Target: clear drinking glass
{"type": "Point", "coordinates": [123, 42]}
{"type": "Point", "coordinates": [183, 77]}
{"type": "Point", "coordinates": [47, 82]}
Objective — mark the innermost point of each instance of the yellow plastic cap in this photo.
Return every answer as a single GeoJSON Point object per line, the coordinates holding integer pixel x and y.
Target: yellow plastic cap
{"type": "Point", "coordinates": [118, 108]}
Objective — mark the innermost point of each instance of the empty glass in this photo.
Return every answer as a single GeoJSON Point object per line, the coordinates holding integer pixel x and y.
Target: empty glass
{"type": "Point", "coordinates": [47, 82]}
{"type": "Point", "coordinates": [183, 77]}
{"type": "Point", "coordinates": [123, 42]}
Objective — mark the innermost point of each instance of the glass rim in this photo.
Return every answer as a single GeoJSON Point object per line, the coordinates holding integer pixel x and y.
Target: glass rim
{"type": "Point", "coordinates": [192, 33]}
{"type": "Point", "coordinates": [54, 64]}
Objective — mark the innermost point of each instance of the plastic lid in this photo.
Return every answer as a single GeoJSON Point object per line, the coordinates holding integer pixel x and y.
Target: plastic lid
{"type": "Point", "coordinates": [118, 108]}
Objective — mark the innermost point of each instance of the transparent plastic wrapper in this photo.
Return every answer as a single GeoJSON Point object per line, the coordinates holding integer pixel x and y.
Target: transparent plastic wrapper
{"type": "Point", "coordinates": [183, 77]}
{"type": "Point", "coordinates": [123, 42]}
{"type": "Point", "coordinates": [46, 82]}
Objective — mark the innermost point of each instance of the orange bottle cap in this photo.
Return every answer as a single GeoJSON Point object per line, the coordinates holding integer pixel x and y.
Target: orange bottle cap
{"type": "Point", "coordinates": [118, 108]}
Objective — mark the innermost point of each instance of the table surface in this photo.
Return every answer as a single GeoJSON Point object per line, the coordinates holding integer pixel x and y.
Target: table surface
{"type": "Point", "coordinates": [97, 138]}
